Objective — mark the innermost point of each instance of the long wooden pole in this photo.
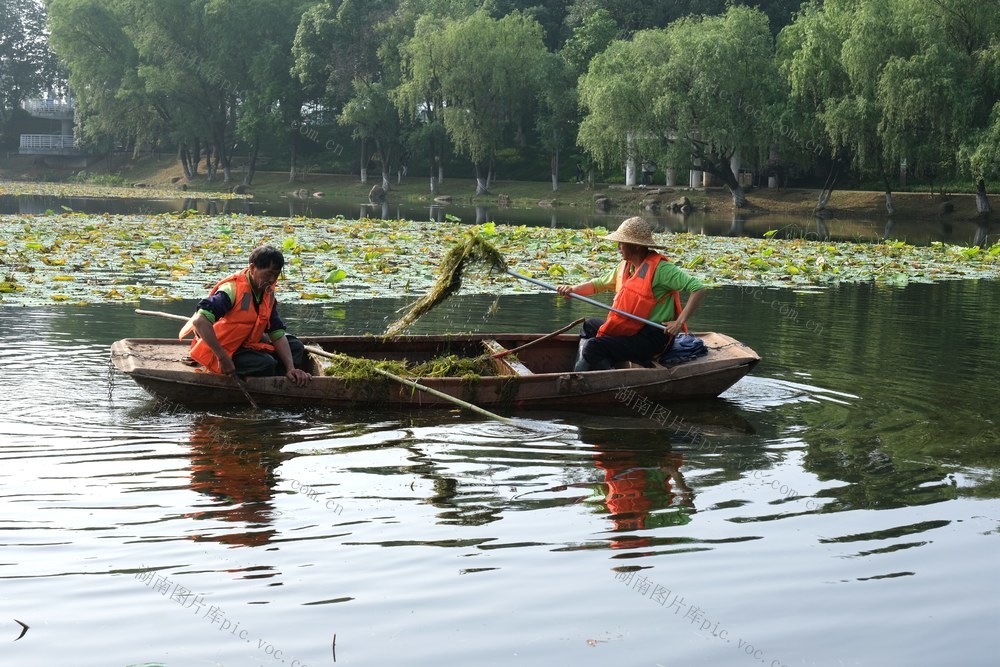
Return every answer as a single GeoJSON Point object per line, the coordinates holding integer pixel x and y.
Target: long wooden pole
{"type": "Point", "coordinates": [585, 299]}
{"type": "Point", "coordinates": [236, 378]}
{"type": "Point", "coordinates": [413, 385]}
{"type": "Point", "coordinates": [564, 329]}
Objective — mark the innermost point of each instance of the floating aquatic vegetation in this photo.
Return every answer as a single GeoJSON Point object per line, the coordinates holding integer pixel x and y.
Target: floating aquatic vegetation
{"type": "Point", "coordinates": [116, 258]}
{"type": "Point", "coordinates": [355, 369]}
{"type": "Point", "coordinates": [475, 250]}
{"type": "Point", "coordinates": [18, 188]}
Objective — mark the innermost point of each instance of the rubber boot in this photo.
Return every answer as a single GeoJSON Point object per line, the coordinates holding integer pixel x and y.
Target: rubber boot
{"type": "Point", "coordinates": [581, 363]}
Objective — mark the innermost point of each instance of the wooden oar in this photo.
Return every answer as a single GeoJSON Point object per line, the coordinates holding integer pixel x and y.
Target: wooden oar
{"type": "Point", "coordinates": [592, 302]}
{"type": "Point", "coordinates": [569, 326]}
{"type": "Point", "coordinates": [413, 385]}
{"type": "Point", "coordinates": [239, 382]}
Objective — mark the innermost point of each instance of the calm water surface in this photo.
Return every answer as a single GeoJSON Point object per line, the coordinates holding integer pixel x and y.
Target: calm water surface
{"type": "Point", "coordinates": [841, 509]}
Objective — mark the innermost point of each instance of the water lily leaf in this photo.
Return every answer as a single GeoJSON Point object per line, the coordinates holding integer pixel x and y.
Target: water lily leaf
{"type": "Point", "coordinates": [768, 234]}
{"type": "Point", "coordinates": [335, 276]}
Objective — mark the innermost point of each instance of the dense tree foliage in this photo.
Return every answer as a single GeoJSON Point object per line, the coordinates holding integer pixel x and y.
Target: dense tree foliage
{"type": "Point", "coordinates": [897, 80]}
{"type": "Point", "coordinates": [27, 67]}
{"type": "Point", "coordinates": [716, 85]}
{"type": "Point", "coordinates": [700, 92]}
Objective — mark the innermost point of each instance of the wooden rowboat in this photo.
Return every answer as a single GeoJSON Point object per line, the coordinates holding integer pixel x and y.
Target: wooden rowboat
{"type": "Point", "coordinates": [540, 376]}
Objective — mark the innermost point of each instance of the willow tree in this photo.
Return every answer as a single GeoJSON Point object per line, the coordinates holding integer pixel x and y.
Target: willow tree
{"type": "Point", "coordinates": [893, 80]}
{"type": "Point", "coordinates": [698, 92]}
{"type": "Point", "coordinates": [371, 114]}
{"type": "Point", "coordinates": [419, 97]}
{"type": "Point", "coordinates": [111, 101]}
{"type": "Point", "coordinates": [980, 156]}
{"type": "Point", "coordinates": [337, 43]}
{"type": "Point", "coordinates": [489, 78]}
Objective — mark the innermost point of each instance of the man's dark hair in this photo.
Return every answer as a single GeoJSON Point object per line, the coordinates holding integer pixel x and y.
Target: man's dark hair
{"type": "Point", "coordinates": [267, 257]}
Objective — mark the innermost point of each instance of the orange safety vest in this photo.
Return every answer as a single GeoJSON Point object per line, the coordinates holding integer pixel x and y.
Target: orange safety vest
{"type": "Point", "coordinates": [634, 294]}
{"type": "Point", "coordinates": [242, 326]}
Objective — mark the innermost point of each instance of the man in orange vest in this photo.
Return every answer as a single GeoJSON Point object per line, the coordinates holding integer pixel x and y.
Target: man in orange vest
{"type": "Point", "coordinates": [645, 284]}
{"type": "Point", "coordinates": [238, 328]}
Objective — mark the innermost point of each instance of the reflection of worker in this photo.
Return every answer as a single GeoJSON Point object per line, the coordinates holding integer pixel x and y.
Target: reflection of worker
{"type": "Point", "coordinates": [238, 478]}
{"type": "Point", "coordinates": [646, 285]}
{"type": "Point", "coordinates": [636, 485]}
{"type": "Point", "coordinates": [238, 328]}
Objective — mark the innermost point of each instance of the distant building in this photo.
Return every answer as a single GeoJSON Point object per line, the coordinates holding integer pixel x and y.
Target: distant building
{"type": "Point", "coordinates": [61, 110]}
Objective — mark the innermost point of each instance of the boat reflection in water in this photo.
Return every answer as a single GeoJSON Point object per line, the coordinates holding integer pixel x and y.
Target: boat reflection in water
{"type": "Point", "coordinates": [238, 477]}
{"type": "Point", "coordinates": [641, 490]}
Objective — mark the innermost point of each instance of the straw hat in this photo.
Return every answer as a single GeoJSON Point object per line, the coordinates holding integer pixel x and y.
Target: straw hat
{"type": "Point", "coordinates": [635, 231]}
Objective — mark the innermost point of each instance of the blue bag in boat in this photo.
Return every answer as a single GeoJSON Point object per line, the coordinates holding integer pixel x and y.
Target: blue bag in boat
{"type": "Point", "coordinates": [685, 348]}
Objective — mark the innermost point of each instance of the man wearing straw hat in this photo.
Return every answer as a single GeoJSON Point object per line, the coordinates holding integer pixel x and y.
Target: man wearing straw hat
{"type": "Point", "coordinates": [646, 285]}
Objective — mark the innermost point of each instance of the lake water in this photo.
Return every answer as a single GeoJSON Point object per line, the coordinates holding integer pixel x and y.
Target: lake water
{"type": "Point", "coordinates": [841, 509]}
{"type": "Point", "coordinates": [923, 232]}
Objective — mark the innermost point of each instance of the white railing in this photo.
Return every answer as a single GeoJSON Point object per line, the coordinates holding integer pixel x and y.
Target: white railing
{"type": "Point", "coordinates": [55, 108]}
{"type": "Point", "coordinates": [48, 142]}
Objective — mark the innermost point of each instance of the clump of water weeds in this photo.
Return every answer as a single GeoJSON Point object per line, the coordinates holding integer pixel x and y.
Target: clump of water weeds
{"type": "Point", "coordinates": [353, 369]}
{"type": "Point", "coordinates": [475, 250]}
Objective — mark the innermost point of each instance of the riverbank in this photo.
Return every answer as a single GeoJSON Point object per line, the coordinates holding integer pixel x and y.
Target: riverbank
{"type": "Point", "coordinates": [162, 173]}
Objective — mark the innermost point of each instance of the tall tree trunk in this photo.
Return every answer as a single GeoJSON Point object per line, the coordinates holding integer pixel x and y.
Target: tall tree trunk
{"type": "Point", "coordinates": [252, 164]}
{"type": "Point", "coordinates": [982, 202]}
{"type": "Point", "coordinates": [831, 179]}
{"type": "Point", "coordinates": [182, 155]}
{"type": "Point", "coordinates": [227, 163]}
{"type": "Point", "coordinates": [555, 162]}
{"type": "Point", "coordinates": [385, 175]}
{"type": "Point", "coordinates": [196, 154]}
{"type": "Point", "coordinates": [293, 154]}
{"type": "Point", "coordinates": [434, 181]}
{"type": "Point", "coordinates": [890, 207]}
{"type": "Point", "coordinates": [482, 184]}
{"type": "Point", "coordinates": [723, 170]}
{"type": "Point", "coordinates": [364, 162]}
{"type": "Point", "coordinates": [209, 170]}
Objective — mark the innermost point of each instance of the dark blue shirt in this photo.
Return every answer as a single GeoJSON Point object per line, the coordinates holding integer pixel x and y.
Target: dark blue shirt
{"type": "Point", "coordinates": [217, 305]}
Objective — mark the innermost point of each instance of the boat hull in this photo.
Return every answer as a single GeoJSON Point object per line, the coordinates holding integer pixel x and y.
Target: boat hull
{"type": "Point", "coordinates": [539, 377]}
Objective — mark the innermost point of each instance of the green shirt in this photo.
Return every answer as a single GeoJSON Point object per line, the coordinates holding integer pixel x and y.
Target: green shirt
{"type": "Point", "coordinates": [668, 278]}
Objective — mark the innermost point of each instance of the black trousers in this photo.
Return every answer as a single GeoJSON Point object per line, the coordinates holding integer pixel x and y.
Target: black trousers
{"type": "Point", "coordinates": [599, 353]}
{"type": "Point", "coordinates": [251, 363]}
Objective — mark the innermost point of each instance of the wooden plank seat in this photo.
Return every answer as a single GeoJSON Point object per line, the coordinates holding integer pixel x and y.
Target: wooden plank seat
{"type": "Point", "coordinates": [506, 365]}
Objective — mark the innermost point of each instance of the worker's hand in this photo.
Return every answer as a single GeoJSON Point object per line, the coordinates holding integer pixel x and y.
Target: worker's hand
{"type": "Point", "coordinates": [565, 290]}
{"type": "Point", "coordinates": [298, 377]}
{"type": "Point", "coordinates": [226, 365]}
{"type": "Point", "coordinates": [674, 327]}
